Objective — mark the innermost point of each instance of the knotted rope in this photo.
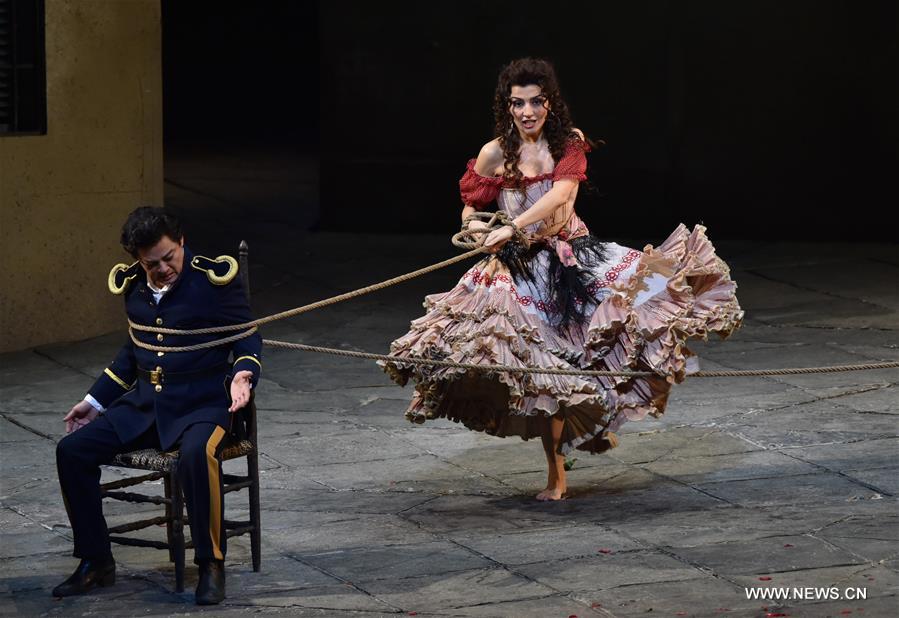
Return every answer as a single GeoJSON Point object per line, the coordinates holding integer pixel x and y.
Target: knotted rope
{"type": "Point", "coordinates": [465, 239]}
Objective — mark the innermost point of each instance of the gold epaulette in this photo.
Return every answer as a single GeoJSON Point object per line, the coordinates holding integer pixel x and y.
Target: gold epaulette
{"type": "Point", "coordinates": [220, 271]}
{"type": "Point", "coordinates": [120, 277]}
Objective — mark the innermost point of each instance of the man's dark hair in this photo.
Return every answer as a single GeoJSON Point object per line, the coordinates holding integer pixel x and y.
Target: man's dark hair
{"type": "Point", "coordinates": [146, 226]}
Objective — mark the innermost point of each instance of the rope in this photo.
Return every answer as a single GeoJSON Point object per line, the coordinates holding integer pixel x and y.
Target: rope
{"type": "Point", "coordinates": [575, 372]}
{"type": "Point", "coordinates": [440, 363]}
{"type": "Point", "coordinates": [310, 307]}
{"type": "Point", "coordinates": [189, 348]}
{"type": "Point", "coordinates": [464, 239]}
{"type": "Point", "coordinates": [467, 238]}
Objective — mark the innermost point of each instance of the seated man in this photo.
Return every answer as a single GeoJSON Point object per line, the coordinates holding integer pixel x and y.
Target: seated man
{"type": "Point", "coordinates": [164, 400]}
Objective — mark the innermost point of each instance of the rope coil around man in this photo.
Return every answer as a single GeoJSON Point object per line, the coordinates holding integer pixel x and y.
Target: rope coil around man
{"type": "Point", "coordinates": [473, 241]}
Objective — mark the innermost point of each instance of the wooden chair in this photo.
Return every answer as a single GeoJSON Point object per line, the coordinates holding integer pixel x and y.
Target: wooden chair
{"type": "Point", "coordinates": [164, 465]}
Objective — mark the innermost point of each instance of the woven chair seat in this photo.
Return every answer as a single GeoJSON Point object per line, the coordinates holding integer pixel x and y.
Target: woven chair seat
{"type": "Point", "coordinates": [162, 461]}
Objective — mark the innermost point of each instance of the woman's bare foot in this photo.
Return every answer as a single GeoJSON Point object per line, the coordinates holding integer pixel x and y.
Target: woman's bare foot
{"type": "Point", "coordinates": [551, 494]}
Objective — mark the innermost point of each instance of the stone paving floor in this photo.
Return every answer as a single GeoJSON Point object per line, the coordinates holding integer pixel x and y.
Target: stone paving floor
{"type": "Point", "coordinates": [744, 483]}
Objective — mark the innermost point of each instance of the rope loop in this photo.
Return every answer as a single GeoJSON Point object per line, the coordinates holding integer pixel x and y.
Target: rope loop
{"type": "Point", "coordinates": [468, 238]}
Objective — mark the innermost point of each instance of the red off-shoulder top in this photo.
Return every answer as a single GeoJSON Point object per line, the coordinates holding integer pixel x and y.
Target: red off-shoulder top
{"type": "Point", "coordinates": [479, 191]}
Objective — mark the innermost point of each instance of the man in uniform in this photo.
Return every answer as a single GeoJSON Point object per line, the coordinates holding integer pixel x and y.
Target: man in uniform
{"type": "Point", "coordinates": [166, 400]}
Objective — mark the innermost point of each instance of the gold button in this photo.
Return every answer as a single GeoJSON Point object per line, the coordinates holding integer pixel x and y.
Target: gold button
{"type": "Point", "coordinates": [159, 388]}
{"type": "Point", "coordinates": [158, 368]}
{"type": "Point", "coordinates": [160, 354]}
{"type": "Point", "coordinates": [159, 337]}
{"type": "Point", "coordinates": [158, 321]}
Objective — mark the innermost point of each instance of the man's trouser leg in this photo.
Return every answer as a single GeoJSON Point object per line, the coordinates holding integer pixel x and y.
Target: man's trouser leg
{"type": "Point", "coordinates": [79, 456]}
{"type": "Point", "coordinates": [200, 473]}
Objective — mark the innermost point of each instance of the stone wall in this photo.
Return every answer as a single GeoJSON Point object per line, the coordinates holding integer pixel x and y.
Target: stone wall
{"type": "Point", "coordinates": [64, 195]}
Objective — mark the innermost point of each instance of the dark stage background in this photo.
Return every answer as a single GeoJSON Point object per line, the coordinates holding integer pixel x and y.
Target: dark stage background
{"type": "Point", "coordinates": [760, 119]}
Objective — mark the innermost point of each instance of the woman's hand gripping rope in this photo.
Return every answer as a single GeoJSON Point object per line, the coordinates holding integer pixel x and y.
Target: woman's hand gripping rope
{"type": "Point", "coordinates": [489, 231]}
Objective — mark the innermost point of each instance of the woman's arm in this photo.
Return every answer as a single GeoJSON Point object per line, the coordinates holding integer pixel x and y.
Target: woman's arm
{"type": "Point", "coordinates": [561, 192]}
{"type": "Point", "coordinates": [551, 200]}
{"type": "Point", "coordinates": [489, 159]}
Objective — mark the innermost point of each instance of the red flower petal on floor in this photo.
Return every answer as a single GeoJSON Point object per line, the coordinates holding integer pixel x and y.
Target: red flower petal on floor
{"type": "Point", "coordinates": [604, 550]}
{"type": "Point", "coordinates": [846, 612]}
{"type": "Point", "coordinates": [595, 605]}
{"type": "Point", "coordinates": [788, 545]}
{"type": "Point", "coordinates": [775, 615]}
{"type": "Point", "coordinates": [765, 578]}
{"type": "Point", "coordinates": [412, 613]}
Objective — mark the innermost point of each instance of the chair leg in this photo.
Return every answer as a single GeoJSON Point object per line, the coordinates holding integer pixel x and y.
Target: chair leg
{"type": "Point", "coordinates": [256, 532]}
{"type": "Point", "coordinates": [168, 518]}
{"type": "Point", "coordinates": [177, 529]}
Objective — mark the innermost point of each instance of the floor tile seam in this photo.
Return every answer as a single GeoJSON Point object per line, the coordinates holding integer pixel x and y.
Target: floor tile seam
{"type": "Point", "coordinates": [40, 525]}
{"type": "Point", "coordinates": [817, 291]}
{"type": "Point", "coordinates": [28, 412]}
{"type": "Point", "coordinates": [764, 537]}
{"type": "Point", "coordinates": [814, 399]}
{"type": "Point", "coordinates": [705, 571]}
{"type": "Point", "coordinates": [367, 581]}
{"type": "Point", "coordinates": [366, 461]}
{"type": "Point", "coordinates": [496, 563]}
{"type": "Point", "coordinates": [43, 554]}
{"type": "Point", "coordinates": [822, 471]}
{"type": "Point", "coordinates": [21, 425]}
{"type": "Point", "coordinates": [10, 491]}
{"type": "Point", "coordinates": [288, 606]}
{"type": "Point", "coordinates": [862, 390]}
{"type": "Point", "coordinates": [50, 358]}
{"type": "Point", "coordinates": [826, 470]}
{"type": "Point", "coordinates": [292, 556]}
{"type": "Point", "coordinates": [830, 543]}
{"type": "Point", "coordinates": [342, 389]}
{"type": "Point", "coordinates": [709, 457]}
{"type": "Point", "coordinates": [865, 484]}
{"type": "Point", "coordinates": [694, 487]}
{"type": "Point", "coordinates": [861, 566]}
{"type": "Point", "coordinates": [560, 595]}
{"type": "Point", "coordinates": [427, 451]}
{"type": "Point", "coordinates": [780, 447]}
{"type": "Point", "coordinates": [759, 322]}
{"type": "Point", "coordinates": [860, 355]}
{"type": "Point", "coordinates": [593, 554]}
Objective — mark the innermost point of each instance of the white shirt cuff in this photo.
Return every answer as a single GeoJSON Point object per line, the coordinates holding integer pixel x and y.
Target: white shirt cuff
{"type": "Point", "coordinates": [94, 403]}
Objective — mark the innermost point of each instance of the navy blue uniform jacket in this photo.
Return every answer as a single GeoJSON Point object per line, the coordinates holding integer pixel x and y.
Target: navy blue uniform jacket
{"type": "Point", "coordinates": [207, 293]}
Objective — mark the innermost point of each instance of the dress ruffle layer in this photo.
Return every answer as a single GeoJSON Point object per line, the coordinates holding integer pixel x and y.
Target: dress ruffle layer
{"type": "Point", "coordinates": [678, 291]}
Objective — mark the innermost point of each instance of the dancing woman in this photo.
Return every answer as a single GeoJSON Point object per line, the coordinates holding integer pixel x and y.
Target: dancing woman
{"type": "Point", "coordinates": [569, 301]}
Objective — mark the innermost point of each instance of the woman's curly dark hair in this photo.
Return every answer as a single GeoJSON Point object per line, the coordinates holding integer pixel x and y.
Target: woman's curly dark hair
{"type": "Point", "coordinates": [558, 128]}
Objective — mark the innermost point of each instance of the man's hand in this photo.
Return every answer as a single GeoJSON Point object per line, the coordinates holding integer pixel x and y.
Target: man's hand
{"type": "Point", "coordinates": [240, 390]}
{"type": "Point", "coordinates": [80, 415]}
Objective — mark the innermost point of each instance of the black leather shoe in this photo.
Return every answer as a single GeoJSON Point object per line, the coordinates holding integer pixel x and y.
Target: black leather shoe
{"type": "Point", "coordinates": [88, 575]}
{"type": "Point", "coordinates": [211, 587]}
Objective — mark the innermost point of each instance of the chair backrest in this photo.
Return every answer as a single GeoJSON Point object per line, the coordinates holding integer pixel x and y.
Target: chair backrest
{"type": "Point", "coordinates": [249, 412]}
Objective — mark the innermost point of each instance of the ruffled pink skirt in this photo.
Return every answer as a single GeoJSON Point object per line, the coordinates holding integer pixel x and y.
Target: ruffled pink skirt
{"type": "Point", "coordinates": [649, 304]}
